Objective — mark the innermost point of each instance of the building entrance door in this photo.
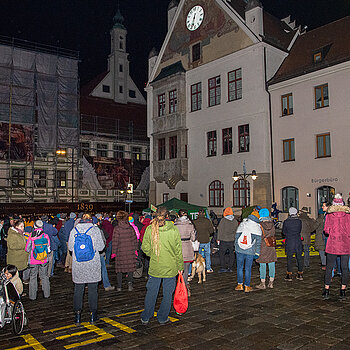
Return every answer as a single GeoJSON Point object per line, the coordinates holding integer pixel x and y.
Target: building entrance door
{"type": "Point", "coordinates": [324, 194]}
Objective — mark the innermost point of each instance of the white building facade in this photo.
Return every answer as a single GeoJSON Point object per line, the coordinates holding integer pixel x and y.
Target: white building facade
{"type": "Point", "coordinates": [310, 122]}
{"type": "Point", "coordinates": [219, 120]}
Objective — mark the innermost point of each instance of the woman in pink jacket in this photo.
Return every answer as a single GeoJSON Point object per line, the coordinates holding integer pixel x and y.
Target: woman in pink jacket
{"type": "Point", "coordinates": [38, 245]}
{"type": "Point", "coordinates": [337, 228]}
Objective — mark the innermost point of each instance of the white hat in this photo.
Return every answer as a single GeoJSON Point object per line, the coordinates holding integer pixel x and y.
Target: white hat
{"type": "Point", "coordinates": [293, 211]}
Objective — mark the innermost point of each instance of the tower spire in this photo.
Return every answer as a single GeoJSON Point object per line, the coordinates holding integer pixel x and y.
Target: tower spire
{"type": "Point", "coordinates": [118, 19]}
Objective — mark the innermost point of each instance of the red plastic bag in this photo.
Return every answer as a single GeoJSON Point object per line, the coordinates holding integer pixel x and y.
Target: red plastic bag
{"type": "Point", "coordinates": [181, 296]}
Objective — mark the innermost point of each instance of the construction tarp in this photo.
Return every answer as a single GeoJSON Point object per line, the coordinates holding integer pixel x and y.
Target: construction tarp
{"type": "Point", "coordinates": [175, 204]}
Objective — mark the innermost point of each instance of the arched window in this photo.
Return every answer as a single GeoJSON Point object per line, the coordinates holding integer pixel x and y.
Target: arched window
{"type": "Point", "coordinates": [241, 193]}
{"type": "Point", "coordinates": [216, 194]}
{"type": "Point", "coordinates": [290, 198]}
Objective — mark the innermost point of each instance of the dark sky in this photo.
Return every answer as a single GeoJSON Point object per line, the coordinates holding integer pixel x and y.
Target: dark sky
{"type": "Point", "coordinates": [84, 25]}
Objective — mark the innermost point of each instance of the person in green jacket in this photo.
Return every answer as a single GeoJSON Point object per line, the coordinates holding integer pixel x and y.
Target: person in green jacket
{"type": "Point", "coordinates": [162, 243]}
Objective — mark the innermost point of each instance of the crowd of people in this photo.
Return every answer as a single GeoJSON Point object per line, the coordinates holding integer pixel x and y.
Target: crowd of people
{"type": "Point", "coordinates": [164, 245]}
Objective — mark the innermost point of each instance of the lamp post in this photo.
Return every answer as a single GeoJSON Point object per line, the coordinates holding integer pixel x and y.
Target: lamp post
{"type": "Point", "coordinates": [244, 176]}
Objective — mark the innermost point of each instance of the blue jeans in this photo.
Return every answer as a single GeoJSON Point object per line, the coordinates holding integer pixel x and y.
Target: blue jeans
{"type": "Point", "coordinates": [204, 250]}
{"type": "Point", "coordinates": [263, 270]}
{"type": "Point", "coordinates": [104, 273]}
{"type": "Point", "coordinates": [108, 253]}
{"type": "Point", "coordinates": [153, 286]}
{"type": "Point", "coordinates": [244, 261]}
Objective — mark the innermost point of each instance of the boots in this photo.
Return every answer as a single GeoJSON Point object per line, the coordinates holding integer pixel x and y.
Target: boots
{"type": "Point", "coordinates": [325, 294]}
{"type": "Point", "coordinates": [300, 276]}
{"type": "Point", "coordinates": [248, 289]}
{"type": "Point", "coordinates": [77, 318]}
{"type": "Point", "coordinates": [239, 286]}
{"type": "Point", "coordinates": [262, 285]}
{"type": "Point", "coordinates": [93, 317]}
{"type": "Point", "coordinates": [289, 277]}
{"type": "Point", "coordinates": [270, 285]}
{"type": "Point", "coordinates": [130, 287]}
{"type": "Point", "coordinates": [342, 294]}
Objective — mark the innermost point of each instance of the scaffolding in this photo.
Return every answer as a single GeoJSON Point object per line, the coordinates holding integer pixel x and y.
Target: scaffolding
{"type": "Point", "coordinates": [39, 122]}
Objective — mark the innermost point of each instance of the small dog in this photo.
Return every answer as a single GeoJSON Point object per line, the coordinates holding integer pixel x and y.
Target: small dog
{"type": "Point", "coordinates": [198, 266]}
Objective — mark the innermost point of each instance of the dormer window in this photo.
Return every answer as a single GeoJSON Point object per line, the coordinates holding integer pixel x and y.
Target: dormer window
{"type": "Point", "coordinates": [317, 57]}
{"type": "Point", "coordinates": [106, 88]}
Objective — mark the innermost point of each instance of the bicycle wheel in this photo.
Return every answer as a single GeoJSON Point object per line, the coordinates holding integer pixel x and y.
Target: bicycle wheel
{"type": "Point", "coordinates": [18, 318]}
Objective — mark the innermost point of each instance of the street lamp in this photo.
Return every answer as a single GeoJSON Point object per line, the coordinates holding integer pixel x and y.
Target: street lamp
{"type": "Point", "coordinates": [244, 176]}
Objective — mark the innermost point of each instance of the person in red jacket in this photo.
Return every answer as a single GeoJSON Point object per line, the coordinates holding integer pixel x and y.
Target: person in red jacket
{"type": "Point", "coordinates": [108, 228]}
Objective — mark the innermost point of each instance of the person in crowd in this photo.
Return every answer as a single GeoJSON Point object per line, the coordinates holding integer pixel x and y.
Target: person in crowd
{"type": "Point", "coordinates": [11, 273]}
{"type": "Point", "coordinates": [320, 238]}
{"type": "Point", "coordinates": [86, 272]}
{"type": "Point", "coordinates": [247, 246]}
{"type": "Point", "coordinates": [62, 247]}
{"type": "Point", "coordinates": [108, 228]}
{"type": "Point", "coordinates": [38, 260]}
{"type": "Point", "coordinates": [162, 242]}
{"type": "Point", "coordinates": [145, 222]}
{"type": "Point", "coordinates": [132, 224]}
{"type": "Point", "coordinates": [307, 226]}
{"type": "Point", "coordinates": [204, 229]}
{"type": "Point", "coordinates": [50, 230]}
{"type": "Point", "coordinates": [124, 245]}
{"type": "Point", "coordinates": [68, 227]}
{"type": "Point", "coordinates": [16, 244]}
{"type": "Point", "coordinates": [105, 280]}
{"type": "Point", "coordinates": [291, 230]}
{"type": "Point", "coordinates": [226, 239]}
{"type": "Point", "coordinates": [137, 221]}
{"type": "Point", "coordinates": [188, 235]}
{"type": "Point", "coordinates": [268, 254]}
{"type": "Point", "coordinates": [337, 227]}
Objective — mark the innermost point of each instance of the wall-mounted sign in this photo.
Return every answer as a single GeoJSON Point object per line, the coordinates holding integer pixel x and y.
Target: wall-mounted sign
{"type": "Point", "coordinates": [325, 180]}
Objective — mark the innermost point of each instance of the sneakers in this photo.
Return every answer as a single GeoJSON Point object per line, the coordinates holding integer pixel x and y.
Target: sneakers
{"type": "Point", "coordinates": [248, 289]}
{"type": "Point", "coordinates": [229, 270]}
{"type": "Point", "coordinates": [342, 294]}
{"type": "Point", "coordinates": [144, 322]}
{"type": "Point", "coordinates": [25, 281]}
{"type": "Point", "coordinates": [77, 318]}
{"type": "Point", "coordinates": [118, 289]}
{"type": "Point", "coordinates": [110, 288]}
{"type": "Point", "coordinates": [270, 285]}
{"type": "Point", "coordinates": [289, 277]}
{"type": "Point", "coordinates": [325, 294]}
{"type": "Point", "coordinates": [262, 285]}
{"type": "Point", "coordinates": [130, 287]}
{"type": "Point", "coordinates": [93, 317]}
{"type": "Point", "coordinates": [222, 270]}
{"type": "Point", "coordinates": [210, 270]}
{"type": "Point", "coordinates": [239, 286]}
{"type": "Point", "coordinates": [165, 322]}
{"type": "Point", "coordinates": [300, 276]}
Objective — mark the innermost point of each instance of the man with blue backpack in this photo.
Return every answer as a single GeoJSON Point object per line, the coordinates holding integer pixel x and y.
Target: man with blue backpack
{"type": "Point", "coordinates": [85, 242]}
{"type": "Point", "coordinates": [38, 245]}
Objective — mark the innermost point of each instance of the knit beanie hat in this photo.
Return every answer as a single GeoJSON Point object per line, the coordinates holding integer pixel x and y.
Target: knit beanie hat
{"type": "Point", "coordinates": [293, 211]}
{"type": "Point", "coordinates": [72, 215]}
{"type": "Point", "coordinates": [228, 211]}
{"type": "Point", "coordinates": [338, 200]}
{"type": "Point", "coordinates": [264, 213]}
{"type": "Point", "coordinates": [255, 213]}
{"type": "Point", "coordinates": [38, 224]}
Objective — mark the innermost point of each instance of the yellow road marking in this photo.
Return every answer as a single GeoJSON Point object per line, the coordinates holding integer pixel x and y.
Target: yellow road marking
{"type": "Point", "coordinates": [129, 313]}
{"type": "Point", "coordinates": [73, 335]}
{"type": "Point", "coordinates": [102, 336]}
{"type": "Point", "coordinates": [60, 328]}
{"type": "Point", "coordinates": [282, 254]}
{"type": "Point", "coordinates": [118, 325]}
{"type": "Point", "coordinates": [31, 343]}
{"type": "Point", "coordinates": [172, 319]}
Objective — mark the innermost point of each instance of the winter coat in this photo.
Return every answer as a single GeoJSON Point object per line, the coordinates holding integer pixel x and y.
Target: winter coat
{"type": "Point", "coordinates": [86, 271]}
{"type": "Point", "coordinates": [145, 223]}
{"type": "Point", "coordinates": [17, 282]}
{"type": "Point", "coordinates": [16, 254]}
{"type": "Point", "coordinates": [52, 233]}
{"type": "Point", "coordinates": [124, 245]}
{"type": "Point", "coordinates": [188, 235]}
{"type": "Point", "coordinates": [337, 227]}
{"type": "Point", "coordinates": [137, 221]}
{"type": "Point", "coordinates": [108, 228]}
{"type": "Point", "coordinates": [30, 246]}
{"type": "Point", "coordinates": [136, 230]}
{"type": "Point", "coordinates": [170, 259]}
{"type": "Point", "coordinates": [204, 228]}
{"type": "Point", "coordinates": [227, 229]}
{"type": "Point", "coordinates": [319, 237]}
{"type": "Point", "coordinates": [307, 226]}
{"type": "Point", "coordinates": [267, 254]}
{"type": "Point", "coordinates": [291, 230]}
{"type": "Point", "coordinates": [66, 230]}
{"type": "Point", "coordinates": [249, 225]}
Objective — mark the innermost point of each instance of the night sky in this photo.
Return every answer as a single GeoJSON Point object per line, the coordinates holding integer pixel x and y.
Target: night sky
{"type": "Point", "coordinates": [84, 25]}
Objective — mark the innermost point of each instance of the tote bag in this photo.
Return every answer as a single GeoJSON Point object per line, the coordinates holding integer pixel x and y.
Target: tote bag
{"type": "Point", "coordinates": [181, 296]}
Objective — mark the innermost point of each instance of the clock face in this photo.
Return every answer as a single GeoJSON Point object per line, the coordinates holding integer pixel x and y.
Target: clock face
{"type": "Point", "coordinates": [195, 18]}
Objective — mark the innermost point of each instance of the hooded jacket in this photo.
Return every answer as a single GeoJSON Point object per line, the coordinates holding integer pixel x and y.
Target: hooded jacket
{"type": "Point", "coordinates": [16, 254]}
{"type": "Point", "coordinates": [337, 226]}
{"type": "Point", "coordinates": [204, 228]}
{"type": "Point", "coordinates": [146, 222]}
{"type": "Point", "coordinates": [188, 235]}
{"type": "Point", "coordinates": [267, 254]}
{"type": "Point", "coordinates": [291, 230]}
{"type": "Point", "coordinates": [227, 228]}
{"type": "Point", "coordinates": [308, 225]}
{"type": "Point", "coordinates": [249, 225]}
